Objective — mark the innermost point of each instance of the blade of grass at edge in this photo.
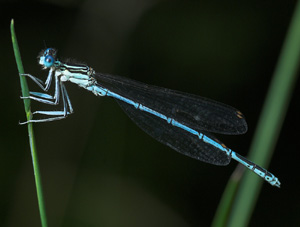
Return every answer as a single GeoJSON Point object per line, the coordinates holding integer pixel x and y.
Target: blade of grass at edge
{"type": "Point", "coordinates": [239, 198]}
{"type": "Point", "coordinates": [25, 93]}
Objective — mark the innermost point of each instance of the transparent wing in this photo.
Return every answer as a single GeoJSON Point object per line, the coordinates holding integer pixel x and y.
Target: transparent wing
{"type": "Point", "coordinates": [176, 138]}
{"type": "Point", "coordinates": [198, 113]}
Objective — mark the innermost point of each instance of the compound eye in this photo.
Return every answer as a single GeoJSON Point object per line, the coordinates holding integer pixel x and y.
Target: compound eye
{"type": "Point", "coordinates": [48, 61]}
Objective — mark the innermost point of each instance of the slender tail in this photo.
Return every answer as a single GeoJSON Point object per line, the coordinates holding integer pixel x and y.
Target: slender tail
{"type": "Point", "coordinates": [263, 173]}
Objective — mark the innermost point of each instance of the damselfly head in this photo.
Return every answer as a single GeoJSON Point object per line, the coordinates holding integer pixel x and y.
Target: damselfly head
{"type": "Point", "coordinates": [47, 58]}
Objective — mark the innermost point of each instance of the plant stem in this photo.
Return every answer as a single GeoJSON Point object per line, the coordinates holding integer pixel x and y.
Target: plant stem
{"type": "Point", "coordinates": [267, 131]}
{"type": "Point", "coordinates": [25, 93]}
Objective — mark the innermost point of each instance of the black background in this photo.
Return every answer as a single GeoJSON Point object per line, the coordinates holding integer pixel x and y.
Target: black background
{"type": "Point", "coordinates": [98, 168]}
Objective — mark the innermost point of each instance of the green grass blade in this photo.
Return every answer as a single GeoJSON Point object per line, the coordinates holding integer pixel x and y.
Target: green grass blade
{"type": "Point", "coordinates": [269, 125]}
{"type": "Point", "coordinates": [25, 93]}
{"type": "Point", "coordinates": [225, 205]}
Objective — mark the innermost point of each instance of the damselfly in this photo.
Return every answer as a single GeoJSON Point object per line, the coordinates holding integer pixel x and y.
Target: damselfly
{"type": "Point", "coordinates": [179, 120]}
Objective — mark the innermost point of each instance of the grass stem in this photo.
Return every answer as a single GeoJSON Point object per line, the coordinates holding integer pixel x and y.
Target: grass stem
{"type": "Point", "coordinates": [25, 93]}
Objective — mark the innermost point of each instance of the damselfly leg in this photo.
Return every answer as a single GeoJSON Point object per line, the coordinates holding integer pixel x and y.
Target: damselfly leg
{"type": "Point", "coordinates": [50, 99]}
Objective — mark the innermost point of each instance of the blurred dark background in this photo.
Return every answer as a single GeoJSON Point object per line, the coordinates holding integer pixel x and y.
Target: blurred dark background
{"type": "Point", "coordinates": [98, 168]}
